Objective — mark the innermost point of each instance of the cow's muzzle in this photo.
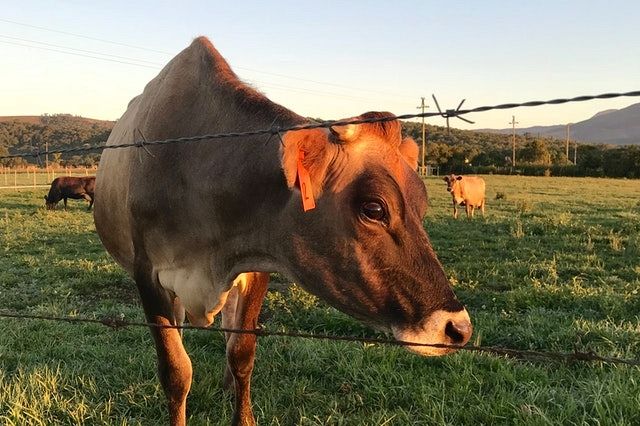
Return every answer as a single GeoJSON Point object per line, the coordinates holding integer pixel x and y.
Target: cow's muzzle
{"type": "Point", "coordinates": [440, 328]}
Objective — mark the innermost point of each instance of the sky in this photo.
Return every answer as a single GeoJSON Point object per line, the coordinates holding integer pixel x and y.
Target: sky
{"type": "Point", "coordinates": [329, 59]}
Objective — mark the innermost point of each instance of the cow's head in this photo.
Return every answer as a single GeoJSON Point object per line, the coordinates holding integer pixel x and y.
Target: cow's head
{"type": "Point", "coordinates": [363, 248]}
{"type": "Point", "coordinates": [49, 204]}
{"type": "Point", "coordinates": [454, 186]}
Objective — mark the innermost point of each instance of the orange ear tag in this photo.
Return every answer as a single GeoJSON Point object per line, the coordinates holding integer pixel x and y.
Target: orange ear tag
{"type": "Point", "coordinates": [304, 180]}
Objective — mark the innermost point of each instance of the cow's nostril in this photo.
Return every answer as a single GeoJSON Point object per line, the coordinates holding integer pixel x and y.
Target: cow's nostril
{"type": "Point", "coordinates": [459, 333]}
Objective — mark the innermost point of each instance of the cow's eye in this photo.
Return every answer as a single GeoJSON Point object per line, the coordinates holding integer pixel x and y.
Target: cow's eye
{"type": "Point", "coordinates": [374, 210]}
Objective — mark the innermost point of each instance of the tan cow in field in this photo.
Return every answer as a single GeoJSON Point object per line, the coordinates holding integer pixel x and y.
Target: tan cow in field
{"type": "Point", "coordinates": [467, 191]}
{"type": "Point", "coordinates": [199, 226]}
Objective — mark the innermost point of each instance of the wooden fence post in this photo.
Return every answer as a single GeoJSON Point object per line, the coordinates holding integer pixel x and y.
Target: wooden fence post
{"type": "Point", "coordinates": [15, 178]}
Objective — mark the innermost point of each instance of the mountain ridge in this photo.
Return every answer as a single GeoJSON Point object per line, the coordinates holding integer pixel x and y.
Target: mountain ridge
{"type": "Point", "coordinates": [612, 126]}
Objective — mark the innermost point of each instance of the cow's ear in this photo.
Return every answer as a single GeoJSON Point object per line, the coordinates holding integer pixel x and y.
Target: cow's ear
{"type": "Point", "coordinates": [409, 151]}
{"type": "Point", "coordinates": [312, 145]}
{"type": "Point", "coordinates": [458, 177]}
{"type": "Point", "coordinates": [446, 179]}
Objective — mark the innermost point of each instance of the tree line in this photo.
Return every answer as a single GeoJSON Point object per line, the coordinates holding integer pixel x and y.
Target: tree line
{"type": "Point", "coordinates": [468, 151]}
{"type": "Point", "coordinates": [455, 151]}
{"type": "Point", "coordinates": [57, 131]}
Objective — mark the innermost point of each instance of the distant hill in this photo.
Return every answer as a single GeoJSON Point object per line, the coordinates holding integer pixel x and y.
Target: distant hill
{"type": "Point", "coordinates": [40, 119]}
{"type": "Point", "coordinates": [20, 134]}
{"type": "Point", "coordinates": [613, 126]}
{"type": "Point", "coordinates": [29, 119]}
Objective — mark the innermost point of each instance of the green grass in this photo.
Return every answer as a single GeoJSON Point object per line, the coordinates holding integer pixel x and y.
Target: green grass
{"type": "Point", "coordinates": [555, 263]}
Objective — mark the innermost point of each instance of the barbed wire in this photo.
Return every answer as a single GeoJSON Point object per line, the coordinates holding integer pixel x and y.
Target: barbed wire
{"type": "Point", "coordinates": [116, 323]}
{"type": "Point", "coordinates": [276, 130]}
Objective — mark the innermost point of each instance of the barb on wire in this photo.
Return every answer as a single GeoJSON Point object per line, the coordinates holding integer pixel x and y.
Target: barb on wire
{"type": "Point", "coordinates": [326, 124]}
{"type": "Point", "coordinates": [141, 144]}
{"type": "Point", "coordinates": [451, 113]}
{"type": "Point", "coordinates": [116, 323]}
{"type": "Point", "coordinates": [275, 130]}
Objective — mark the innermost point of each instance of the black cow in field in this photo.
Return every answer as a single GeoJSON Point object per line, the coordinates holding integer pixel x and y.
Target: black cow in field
{"type": "Point", "coordinates": [64, 187]}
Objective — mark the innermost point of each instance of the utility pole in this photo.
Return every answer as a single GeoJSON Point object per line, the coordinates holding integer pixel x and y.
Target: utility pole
{"type": "Point", "coordinates": [46, 155]}
{"type": "Point", "coordinates": [424, 138]}
{"type": "Point", "coordinates": [575, 153]}
{"type": "Point", "coordinates": [567, 143]}
{"type": "Point", "coordinates": [513, 153]}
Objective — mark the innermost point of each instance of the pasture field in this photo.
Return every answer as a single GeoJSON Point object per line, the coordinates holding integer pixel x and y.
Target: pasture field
{"type": "Point", "coordinates": [555, 264]}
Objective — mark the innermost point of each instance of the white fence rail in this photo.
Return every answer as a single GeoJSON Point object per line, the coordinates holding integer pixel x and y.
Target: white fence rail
{"type": "Point", "coordinates": [34, 177]}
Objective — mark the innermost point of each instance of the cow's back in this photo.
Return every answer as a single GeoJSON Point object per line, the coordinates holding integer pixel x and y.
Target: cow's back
{"type": "Point", "coordinates": [473, 190]}
{"type": "Point", "coordinates": [180, 194]}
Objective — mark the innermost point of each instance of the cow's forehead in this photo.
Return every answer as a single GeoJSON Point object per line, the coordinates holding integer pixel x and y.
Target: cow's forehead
{"type": "Point", "coordinates": [373, 153]}
{"type": "Point", "coordinates": [371, 150]}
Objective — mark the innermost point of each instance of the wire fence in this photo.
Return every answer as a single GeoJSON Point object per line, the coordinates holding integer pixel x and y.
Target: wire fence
{"type": "Point", "coordinates": [35, 177]}
{"type": "Point", "coordinates": [277, 130]}
{"type": "Point", "coordinates": [118, 324]}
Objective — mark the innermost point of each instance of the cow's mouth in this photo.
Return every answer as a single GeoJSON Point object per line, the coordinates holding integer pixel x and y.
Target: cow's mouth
{"type": "Point", "coordinates": [440, 328]}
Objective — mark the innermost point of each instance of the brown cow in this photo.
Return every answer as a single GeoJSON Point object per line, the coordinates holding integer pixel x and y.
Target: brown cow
{"type": "Point", "coordinates": [199, 226]}
{"type": "Point", "coordinates": [64, 187]}
{"type": "Point", "coordinates": [467, 191]}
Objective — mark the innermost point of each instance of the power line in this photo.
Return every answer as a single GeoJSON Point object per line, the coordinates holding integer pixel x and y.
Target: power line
{"type": "Point", "coordinates": [312, 91]}
{"type": "Point", "coordinates": [84, 36]}
{"type": "Point", "coordinates": [386, 93]}
{"type": "Point", "coordinates": [424, 136]}
{"type": "Point", "coordinates": [567, 143]}
{"type": "Point", "coordinates": [277, 131]}
{"type": "Point", "coordinates": [76, 54]}
{"type": "Point", "coordinates": [513, 158]}
{"type": "Point", "coordinates": [81, 50]}
{"type": "Point", "coordinates": [342, 86]}
{"type": "Point", "coordinates": [277, 86]}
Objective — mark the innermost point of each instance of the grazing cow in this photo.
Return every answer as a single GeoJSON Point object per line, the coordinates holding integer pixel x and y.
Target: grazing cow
{"type": "Point", "coordinates": [467, 191]}
{"type": "Point", "coordinates": [64, 187]}
{"type": "Point", "coordinates": [199, 226]}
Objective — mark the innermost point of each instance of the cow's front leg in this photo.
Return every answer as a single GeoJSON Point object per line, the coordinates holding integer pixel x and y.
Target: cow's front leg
{"type": "Point", "coordinates": [241, 311]}
{"type": "Point", "coordinates": [455, 210]}
{"type": "Point", "coordinates": [174, 365]}
{"type": "Point", "coordinates": [65, 202]}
